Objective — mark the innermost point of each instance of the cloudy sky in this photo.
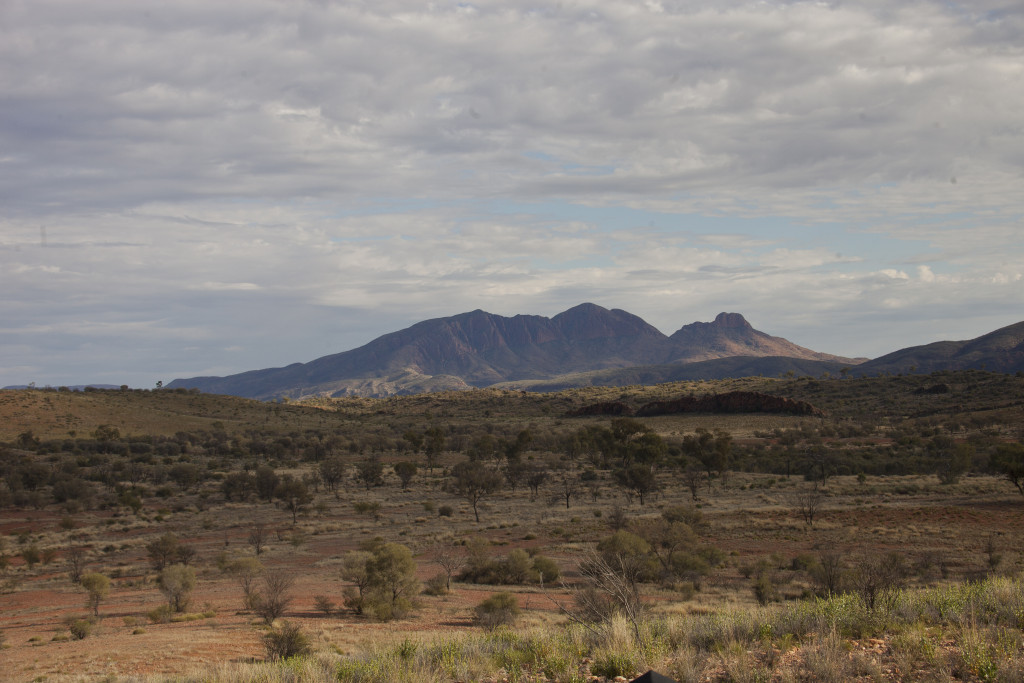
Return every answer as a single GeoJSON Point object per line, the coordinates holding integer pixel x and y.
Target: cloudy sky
{"type": "Point", "coordinates": [194, 187]}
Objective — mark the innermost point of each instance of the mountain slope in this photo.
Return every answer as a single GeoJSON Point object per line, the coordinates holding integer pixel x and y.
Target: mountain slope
{"type": "Point", "coordinates": [998, 351]}
{"type": "Point", "coordinates": [480, 349]}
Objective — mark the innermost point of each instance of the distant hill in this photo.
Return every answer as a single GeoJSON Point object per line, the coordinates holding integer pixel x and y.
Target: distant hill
{"type": "Point", "coordinates": [479, 349]}
{"type": "Point", "coordinates": [76, 387]}
{"type": "Point", "coordinates": [999, 351]}
{"type": "Point", "coordinates": [718, 368]}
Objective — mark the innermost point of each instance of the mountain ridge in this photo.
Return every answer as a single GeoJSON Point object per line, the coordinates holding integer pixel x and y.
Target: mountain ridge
{"type": "Point", "coordinates": [477, 349]}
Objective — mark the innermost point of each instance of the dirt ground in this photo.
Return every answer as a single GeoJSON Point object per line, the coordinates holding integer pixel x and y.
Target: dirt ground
{"type": "Point", "coordinates": [749, 517]}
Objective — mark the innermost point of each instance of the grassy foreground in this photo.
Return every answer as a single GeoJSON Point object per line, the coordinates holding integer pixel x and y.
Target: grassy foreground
{"type": "Point", "coordinates": [967, 631]}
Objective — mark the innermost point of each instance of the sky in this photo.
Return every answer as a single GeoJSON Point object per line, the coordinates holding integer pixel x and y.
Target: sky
{"type": "Point", "coordinates": [201, 188]}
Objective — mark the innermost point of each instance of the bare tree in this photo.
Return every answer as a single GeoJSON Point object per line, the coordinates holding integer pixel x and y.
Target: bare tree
{"type": "Point", "coordinates": [569, 485]}
{"type": "Point", "coordinates": [258, 538]}
{"type": "Point", "coordinates": [76, 564]}
{"type": "Point", "coordinates": [808, 503]}
{"type": "Point", "coordinates": [828, 573]}
{"type": "Point", "coordinates": [451, 559]}
{"type": "Point", "coordinates": [877, 580]}
{"type": "Point", "coordinates": [694, 477]}
{"type": "Point", "coordinates": [274, 598]}
{"type": "Point", "coordinates": [607, 590]}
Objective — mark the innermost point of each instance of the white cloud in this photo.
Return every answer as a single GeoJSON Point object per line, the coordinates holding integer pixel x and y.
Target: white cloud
{"type": "Point", "coordinates": [343, 169]}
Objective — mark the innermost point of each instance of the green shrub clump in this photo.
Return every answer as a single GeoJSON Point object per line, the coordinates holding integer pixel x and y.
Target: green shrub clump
{"type": "Point", "coordinates": [501, 609]}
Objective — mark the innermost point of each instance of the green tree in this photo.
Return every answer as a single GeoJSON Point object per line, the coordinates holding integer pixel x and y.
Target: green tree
{"type": "Point", "coordinates": [266, 482]}
{"type": "Point", "coordinates": [163, 551]}
{"type": "Point", "coordinates": [98, 587]}
{"type": "Point", "coordinates": [433, 445]}
{"type": "Point", "coordinates": [294, 494]}
{"type": "Point", "coordinates": [184, 474]}
{"type": "Point", "coordinates": [391, 576]}
{"type": "Point", "coordinates": [332, 472]}
{"type": "Point", "coordinates": [637, 479]}
{"type": "Point", "coordinates": [414, 439]}
{"type": "Point", "coordinates": [370, 472]}
{"type": "Point", "coordinates": [474, 481]}
{"type": "Point", "coordinates": [406, 471]}
{"type": "Point", "coordinates": [353, 569]}
{"type": "Point", "coordinates": [1008, 460]}
{"type": "Point", "coordinates": [712, 450]}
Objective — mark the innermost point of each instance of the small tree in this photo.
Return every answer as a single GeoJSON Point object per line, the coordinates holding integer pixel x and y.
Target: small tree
{"type": "Point", "coordinates": [294, 494]}
{"type": "Point", "coordinates": [808, 503]}
{"type": "Point", "coordinates": [569, 484]}
{"type": "Point", "coordinates": [406, 471]}
{"type": "Point", "coordinates": [258, 536]}
{"type": "Point", "coordinates": [955, 463]}
{"type": "Point", "coordinates": [877, 580]}
{"type": "Point", "coordinates": [163, 551]}
{"type": "Point", "coordinates": [391, 573]}
{"type": "Point", "coordinates": [266, 482]}
{"type": "Point", "coordinates": [273, 600]}
{"type": "Point", "coordinates": [637, 479]}
{"type": "Point", "coordinates": [353, 569]}
{"type": "Point", "coordinates": [176, 583]}
{"type": "Point", "coordinates": [693, 475]}
{"type": "Point", "coordinates": [535, 475]}
{"type": "Point", "coordinates": [474, 481]}
{"type": "Point", "coordinates": [1008, 460]}
{"type": "Point", "coordinates": [433, 445]}
{"type": "Point", "coordinates": [332, 472]}
{"type": "Point", "coordinates": [828, 572]}
{"type": "Point", "coordinates": [98, 588]}
{"type": "Point", "coordinates": [451, 559]}
{"type": "Point", "coordinates": [76, 564]}
{"type": "Point", "coordinates": [370, 472]}
{"type": "Point", "coordinates": [246, 571]}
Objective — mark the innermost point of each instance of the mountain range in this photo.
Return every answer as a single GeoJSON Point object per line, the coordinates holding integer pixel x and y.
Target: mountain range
{"type": "Point", "coordinates": [585, 345]}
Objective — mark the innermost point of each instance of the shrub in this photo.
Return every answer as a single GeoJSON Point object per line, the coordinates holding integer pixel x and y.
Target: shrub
{"type": "Point", "coordinates": [436, 584]}
{"type": "Point", "coordinates": [364, 507]}
{"type": "Point", "coordinates": [613, 664]}
{"type": "Point", "coordinates": [445, 511]}
{"type": "Point", "coordinates": [286, 641]}
{"type": "Point", "coordinates": [545, 569]}
{"type": "Point", "coordinates": [324, 604]}
{"type": "Point", "coordinates": [31, 555]}
{"type": "Point", "coordinates": [159, 615]}
{"type": "Point", "coordinates": [765, 589]}
{"type": "Point", "coordinates": [501, 609]}
{"type": "Point", "coordinates": [80, 628]}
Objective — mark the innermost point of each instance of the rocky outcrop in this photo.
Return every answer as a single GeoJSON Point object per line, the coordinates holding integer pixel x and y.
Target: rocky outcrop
{"type": "Point", "coordinates": [613, 408]}
{"type": "Point", "coordinates": [731, 402]}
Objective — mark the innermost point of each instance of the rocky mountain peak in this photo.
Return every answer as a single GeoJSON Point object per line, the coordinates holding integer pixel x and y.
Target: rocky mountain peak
{"type": "Point", "coordinates": [732, 321]}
